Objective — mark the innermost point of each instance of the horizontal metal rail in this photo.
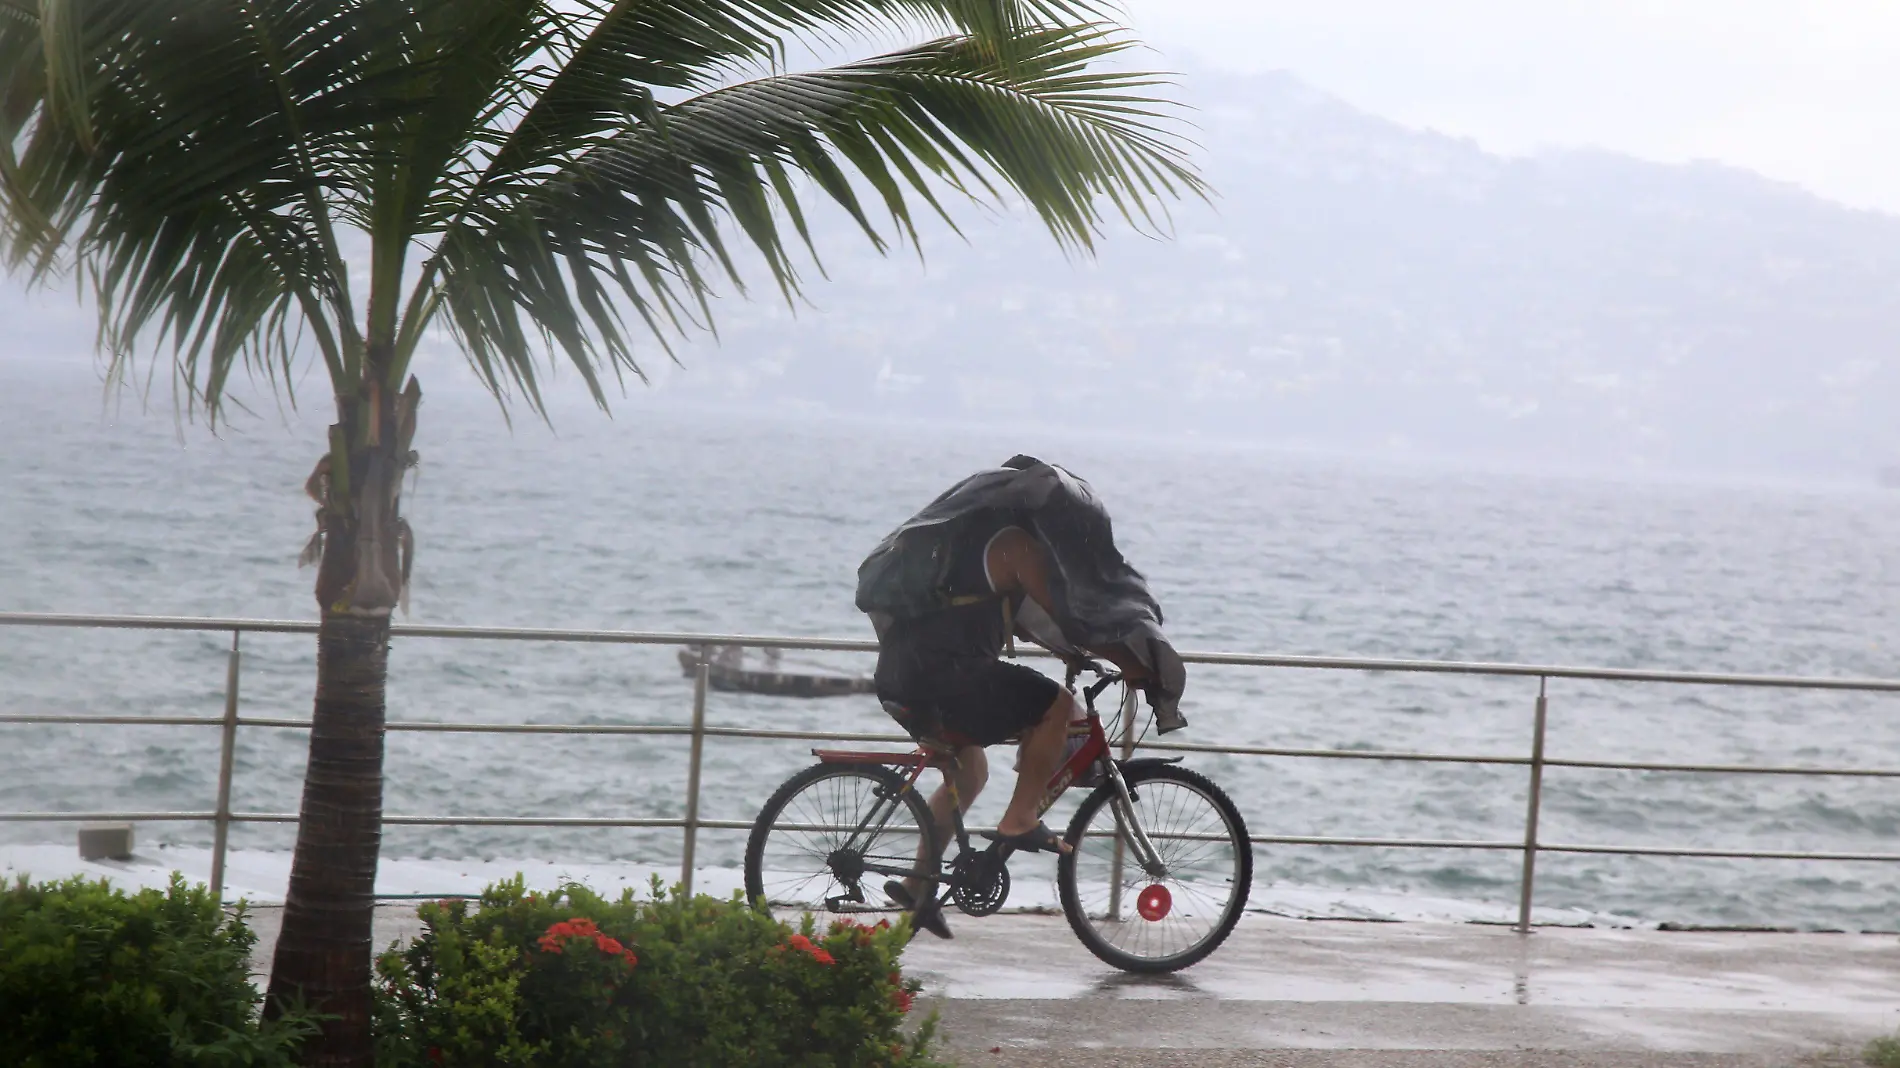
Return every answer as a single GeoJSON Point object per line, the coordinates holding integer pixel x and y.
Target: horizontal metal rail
{"type": "Point", "coordinates": [1722, 769]}
{"type": "Point", "coordinates": [1338, 754]}
{"type": "Point", "coordinates": [900, 739]}
{"type": "Point", "coordinates": [779, 641]}
{"type": "Point", "coordinates": [1734, 854]}
{"type": "Point", "coordinates": [116, 817]}
{"type": "Point", "coordinates": [1537, 762]}
{"type": "Point", "coordinates": [418, 821]}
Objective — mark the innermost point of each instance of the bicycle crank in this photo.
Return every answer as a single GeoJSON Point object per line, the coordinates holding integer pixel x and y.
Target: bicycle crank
{"type": "Point", "coordinates": [979, 881]}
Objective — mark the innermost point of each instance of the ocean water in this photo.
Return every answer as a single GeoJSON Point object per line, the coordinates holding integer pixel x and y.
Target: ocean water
{"type": "Point", "coordinates": [673, 519]}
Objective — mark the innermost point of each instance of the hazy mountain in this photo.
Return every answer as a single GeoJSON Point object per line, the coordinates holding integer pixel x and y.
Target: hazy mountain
{"type": "Point", "coordinates": [1356, 286]}
{"type": "Point", "coordinates": [1363, 286]}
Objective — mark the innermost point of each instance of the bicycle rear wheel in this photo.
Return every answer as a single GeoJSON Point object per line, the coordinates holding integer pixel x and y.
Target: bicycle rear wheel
{"type": "Point", "coordinates": [1141, 922]}
{"type": "Point", "coordinates": [831, 835]}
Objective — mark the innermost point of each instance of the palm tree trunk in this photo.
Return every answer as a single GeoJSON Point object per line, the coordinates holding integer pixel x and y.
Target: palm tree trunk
{"type": "Point", "coordinates": [323, 952]}
{"type": "Point", "coordinates": [324, 949]}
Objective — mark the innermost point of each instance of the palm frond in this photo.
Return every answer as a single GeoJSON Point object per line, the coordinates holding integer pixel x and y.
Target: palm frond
{"type": "Point", "coordinates": [461, 63]}
{"type": "Point", "coordinates": [197, 161]}
{"type": "Point", "coordinates": [638, 215]}
{"type": "Point", "coordinates": [606, 66]}
{"type": "Point", "coordinates": [185, 153]}
{"type": "Point", "coordinates": [691, 44]}
{"type": "Point", "coordinates": [22, 95]}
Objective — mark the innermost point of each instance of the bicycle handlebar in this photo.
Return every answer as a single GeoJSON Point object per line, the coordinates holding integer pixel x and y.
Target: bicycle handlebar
{"type": "Point", "coordinates": [1076, 667]}
{"type": "Point", "coordinates": [1104, 678]}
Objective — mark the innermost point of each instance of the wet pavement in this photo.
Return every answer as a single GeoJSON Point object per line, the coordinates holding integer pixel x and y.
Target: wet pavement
{"type": "Point", "coordinates": [1299, 993]}
{"type": "Point", "coordinates": [1237, 1058]}
{"type": "Point", "coordinates": [1015, 991]}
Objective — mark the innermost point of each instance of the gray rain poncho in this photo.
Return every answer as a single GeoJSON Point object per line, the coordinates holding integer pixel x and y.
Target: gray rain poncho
{"type": "Point", "coordinates": [1101, 602]}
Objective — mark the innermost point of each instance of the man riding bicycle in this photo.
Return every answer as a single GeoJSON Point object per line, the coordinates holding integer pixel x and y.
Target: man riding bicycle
{"type": "Point", "coordinates": [1024, 550]}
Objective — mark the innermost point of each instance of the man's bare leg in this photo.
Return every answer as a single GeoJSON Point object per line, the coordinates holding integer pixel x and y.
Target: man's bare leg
{"type": "Point", "coordinates": [1041, 755]}
{"type": "Point", "coordinates": [972, 773]}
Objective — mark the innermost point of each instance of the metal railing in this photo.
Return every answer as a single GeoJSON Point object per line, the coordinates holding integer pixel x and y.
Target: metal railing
{"type": "Point", "coordinates": [1535, 762]}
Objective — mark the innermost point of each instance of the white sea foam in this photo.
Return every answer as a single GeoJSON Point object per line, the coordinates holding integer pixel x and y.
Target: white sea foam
{"type": "Point", "coordinates": [260, 877]}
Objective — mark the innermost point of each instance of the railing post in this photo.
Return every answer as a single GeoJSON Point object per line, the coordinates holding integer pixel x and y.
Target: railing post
{"type": "Point", "coordinates": [1129, 708]}
{"type": "Point", "coordinates": [700, 680]}
{"type": "Point", "coordinates": [226, 754]}
{"type": "Point", "coordinates": [1529, 879]}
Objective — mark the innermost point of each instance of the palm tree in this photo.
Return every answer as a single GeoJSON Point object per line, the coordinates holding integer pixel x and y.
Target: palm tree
{"type": "Point", "coordinates": [240, 183]}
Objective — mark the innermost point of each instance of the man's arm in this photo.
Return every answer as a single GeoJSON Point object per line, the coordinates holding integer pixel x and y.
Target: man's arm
{"type": "Point", "coordinates": [1132, 669]}
{"type": "Point", "coordinates": [1018, 563]}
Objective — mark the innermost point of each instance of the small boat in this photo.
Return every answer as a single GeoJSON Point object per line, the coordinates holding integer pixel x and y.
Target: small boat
{"type": "Point", "coordinates": [727, 672]}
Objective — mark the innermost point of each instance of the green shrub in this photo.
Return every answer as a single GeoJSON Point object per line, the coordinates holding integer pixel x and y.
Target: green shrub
{"type": "Point", "coordinates": [571, 980]}
{"type": "Point", "coordinates": [1882, 1053]}
{"type": "Point", "coordinates": [90, 975]}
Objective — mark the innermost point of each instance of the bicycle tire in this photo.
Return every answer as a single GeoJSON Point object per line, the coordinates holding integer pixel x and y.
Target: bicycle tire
{"type": "Point", "coordinates": [875, 775]}
{"type": "Point", "coordinates": [1227, 913]}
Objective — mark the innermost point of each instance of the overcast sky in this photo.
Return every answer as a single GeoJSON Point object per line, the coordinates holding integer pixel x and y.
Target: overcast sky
{"type": "Point", "coordinates": [1803, 90]}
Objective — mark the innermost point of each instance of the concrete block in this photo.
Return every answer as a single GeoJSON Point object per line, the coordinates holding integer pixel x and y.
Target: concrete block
{"type": "Point", "coordinates": [105, 841]}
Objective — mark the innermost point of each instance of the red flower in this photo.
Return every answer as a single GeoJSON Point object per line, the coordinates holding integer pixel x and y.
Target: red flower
{"type": "Point", "coordinates": [578, 927]}
{"type": "Point", "coordinates": [799, 941]}
{"type": "Point", "coordinates": [902, 999]}
{"type": "Point", "coordinates": [435, 1054]}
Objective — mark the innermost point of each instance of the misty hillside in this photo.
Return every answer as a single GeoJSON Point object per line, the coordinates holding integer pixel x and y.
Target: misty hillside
{"type": "Point", "coordinates": [1366, 287]}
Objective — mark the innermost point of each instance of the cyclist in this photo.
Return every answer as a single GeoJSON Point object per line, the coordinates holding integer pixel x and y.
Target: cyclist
{"type": "Point", "coordinates": [1022, 550]}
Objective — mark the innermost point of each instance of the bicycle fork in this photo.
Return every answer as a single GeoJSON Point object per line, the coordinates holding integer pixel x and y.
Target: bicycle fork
{"type": "Point", "coordinates": [1128, 830]}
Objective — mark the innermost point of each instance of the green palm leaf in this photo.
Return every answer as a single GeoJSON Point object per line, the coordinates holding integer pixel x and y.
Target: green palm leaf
{"type": "Point", "coordinates": [638, 215]}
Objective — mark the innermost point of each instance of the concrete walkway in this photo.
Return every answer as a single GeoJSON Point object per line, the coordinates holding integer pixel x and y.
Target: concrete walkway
{"type": "Point", "coordinates": [1016, 991]}
{"type": "Point", "coordinates": [1344, 995]}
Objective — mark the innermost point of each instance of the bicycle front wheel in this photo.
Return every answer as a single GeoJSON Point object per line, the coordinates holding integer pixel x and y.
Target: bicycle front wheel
{"type": "Point", "coordinates": [1142, 921]}
{"type": "Point", "coordinates": [830, 837]}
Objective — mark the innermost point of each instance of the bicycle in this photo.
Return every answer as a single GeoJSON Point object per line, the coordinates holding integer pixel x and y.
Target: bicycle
{"type": "Point", "coordinates": [1153, 835]}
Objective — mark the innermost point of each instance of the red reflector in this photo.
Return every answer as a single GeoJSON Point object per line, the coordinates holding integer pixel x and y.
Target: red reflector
{"type": "Point", "coordinates": [1154, 903]}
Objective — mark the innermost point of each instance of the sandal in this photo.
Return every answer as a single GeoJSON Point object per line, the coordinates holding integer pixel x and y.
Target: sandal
{"type": "Point", "coordinates": [927, 916]}
{"type": "Point", "coordinates": [1037, 839]}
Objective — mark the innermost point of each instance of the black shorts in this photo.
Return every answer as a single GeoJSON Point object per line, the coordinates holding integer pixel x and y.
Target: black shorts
{"type": "Point", "coordinates": [976, 701]}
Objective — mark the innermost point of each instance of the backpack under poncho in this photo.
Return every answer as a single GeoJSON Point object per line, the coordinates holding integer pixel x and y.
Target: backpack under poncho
{"type": "Point", "coordinates": [1100, 601]}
